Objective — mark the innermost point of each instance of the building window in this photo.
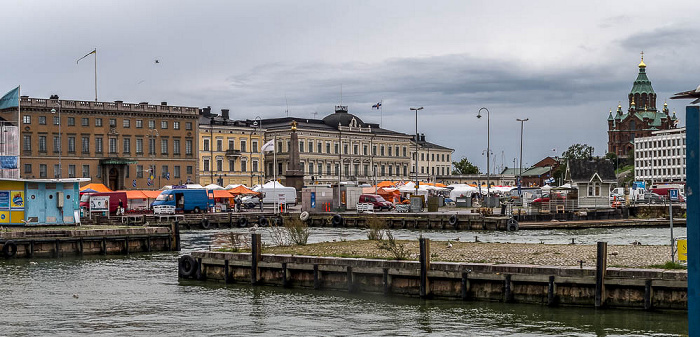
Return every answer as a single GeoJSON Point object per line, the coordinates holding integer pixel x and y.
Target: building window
{"type": "Point", "coordinates": [356, 149]}
{"type": "Point", "coordinates": [188, 147]}
{"type": "Point", "coordinates": [71, 144]}
{"type": "Point", "coordinates": [205, 167]}
{"type": "Point", "coordinates": [244, 165]}
{"type": "Point", "coordinates": [244, 146]}
{"type": "Point", "coordinates": [301, 146]}
{"type": "Point", "coordinates": [151, 124]}
{"type": "Point", "coordinates": [176, 126]}
{"type": "Point", "coordinates": [152, 146]}
{"type": "Point", "coordinates": [112, 145]}
{"type": "Point", "coordinates": [56, 144]}
{"type": "Point", "coordinates": [71, 171]}
{"type": "Point", "coordinates": [27, 142]}
{"type": "Point", "coordinates": [328, 169]}
{"type": "Point", "coordinates": [320, 169]}
{"type": "Point", "coordinates": [389, 155]}
{"type": "Point", "coordinates": [42, 171]}
{"type": "Point", "coordinates": [176, 171]}
{"type": "Point", "coordinates": [27, 119]}
{"type": "Point", "coordinates": [113, 122]}
{"type": "Point", "coordinates": [163, 125]}
{"type": "Point", "coordinates": [71, 121]}
{"type": "Point", "coordinates": [328, 147]}
{"type": "Point", "coordinates": [139, 123]}
{"type": "Point", "coordinates": [364, 150]}
{"type": "Point", "coordinates": [139, 145]}
{"type": "Point", "coordinates": [98, 144]}
{"type": "Point", "coordinates": [188, 126]}
{"type": "Point", "coordinates": [345, 148]}
{"type": "Point", "coordinates": [404, 151]}
{"type": "Point", "coordinates": [231, 164]}
{"type": "Point", "coordinates": [126, 123]}
{"type": "Point", "coordinates": [219, 145]}
{"type": "Point", "coordinates": [85, 121]}
{"type": "Point", "coordinates": [319, 147]}
{"type": "Point", "coordinates": [42, 144]}
{"type": "Point", "coordinates": [98, 121]}
{"type": "Point", "coordinates": [311, 168]}
{"type": "Point", "coordinates": [254, 146]}
{"type": "Point", "coordinates": [374, 150]}
{"type": "Point", "coordinates": [127, 145]}
{"type": "Point", "coordinates": [56, 120]}
{"type": "Point", "coordinates": [139, 171]}
{"type": "Point", "coordinates": [164, 172]}
{"type": "Point", "coordinates": [190, 169]}
{"type": "Point", "coordinates": [86, 171]}
{"type": "Point", "coordinates": [56, 171]}
{"type": "Point", "coordinates": [27, 168]}
{"type": "Point", "coordinates": [163, 146]}
{"type": "Point", "coordinates": [85, 142]}
{"type": "Point", "coordinates": [205, 144]}
{"type": "Point", "coordinates": [176, 147]}
{"type": "Point", "coordinates": [42, 120]}
{"type": "Point", "coordinates": [219, 164]}
{"type": "Point", "coordinates": [397, 151]}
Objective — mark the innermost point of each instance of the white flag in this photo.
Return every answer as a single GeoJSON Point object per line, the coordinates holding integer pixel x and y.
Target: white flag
{"type": "Point", "coordinates": [268, 147]}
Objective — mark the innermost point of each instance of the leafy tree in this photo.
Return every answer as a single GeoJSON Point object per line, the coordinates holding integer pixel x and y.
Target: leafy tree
{"type": "Point", "coordinates": [578, 151]}
{"type": "Point", "coordinates": [613, 158]}
{"type": "Point", "coordinates": [464, 167]}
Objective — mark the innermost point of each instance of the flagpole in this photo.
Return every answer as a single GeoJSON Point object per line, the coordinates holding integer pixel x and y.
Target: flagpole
{"type": "Point", "coordinates": [95, 74]}
{"type": "Point", "coordinates": [19, 137]}
{"type": "Point", "coordinates": [274, 172]}
{"type": "Point", "coordinates": [381, 117]}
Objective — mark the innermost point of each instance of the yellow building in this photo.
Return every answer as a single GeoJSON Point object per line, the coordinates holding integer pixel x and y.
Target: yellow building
{"type": "Point", "coordinates": [229, 150]}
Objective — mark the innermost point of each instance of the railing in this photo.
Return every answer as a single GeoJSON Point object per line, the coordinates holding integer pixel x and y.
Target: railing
{"type": "Point", "coordinates": [233, 153]}
{"type": "Point", "coordinates": [115, 106]}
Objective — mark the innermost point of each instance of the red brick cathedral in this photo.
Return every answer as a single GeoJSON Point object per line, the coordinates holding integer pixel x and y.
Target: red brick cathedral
{"type": "Point", "coordinates": [641, 117]}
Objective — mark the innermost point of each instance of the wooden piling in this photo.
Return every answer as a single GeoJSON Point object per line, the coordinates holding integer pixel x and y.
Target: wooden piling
{"type": "Point", "coordinates": [465, 285]}
{"type": "Point", "coordinates": [285, 275]}
{"type": "Point", "coordinates": [551, 291]}
{"type": "Point", "coordinates": [386, 281]}
{"type": "Point", "coordinates": [508, 289]}
{"type": "Point", "coordinates": [424, 266]}
{"type": "Point", "coordinates": [648, 295]}
{"type": "Point", "coordinates": [256, 247]}
{"type": "Point", "coordinates": [227, 279]}
{"type": "Point", "coordinates": [600, 272]}
{"type": "Point", "coordinates": [317, 283]}
{"type": "Point", "coordinates": [350, 279]}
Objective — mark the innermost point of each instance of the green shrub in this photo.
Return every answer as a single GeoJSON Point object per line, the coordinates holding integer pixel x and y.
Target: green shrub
{"type": "Point", "coordinates": [377, 228]}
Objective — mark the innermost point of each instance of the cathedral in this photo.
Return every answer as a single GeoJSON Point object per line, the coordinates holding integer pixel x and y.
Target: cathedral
{"type": "Point", "coordinates": [641, 117]}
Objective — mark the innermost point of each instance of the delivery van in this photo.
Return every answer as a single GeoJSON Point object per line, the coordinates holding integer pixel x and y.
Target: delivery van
{"type": "Point", "coordinates": [195, 200]}
{"type": "Point", "coordinates": [114, 198]}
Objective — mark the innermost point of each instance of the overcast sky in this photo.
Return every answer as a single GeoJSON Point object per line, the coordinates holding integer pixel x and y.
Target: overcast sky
{"type": "Point", "coordinates": [561, 64]}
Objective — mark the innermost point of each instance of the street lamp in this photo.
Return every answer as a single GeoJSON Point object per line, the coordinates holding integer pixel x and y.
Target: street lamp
{"type": "Point", "coordinates": [488, 151]}
{"type": "Point", "coordinates": [258, 123]}
{"type": "Point", "coordinates": [416, 153]}
{"type": "Point", "coordinates": [60, 147]}
{"type": "Point", "coordinates": [522, 121]}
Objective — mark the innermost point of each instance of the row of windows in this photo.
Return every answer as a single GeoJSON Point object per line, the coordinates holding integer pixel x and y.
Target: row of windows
{"type": "Point", "coordinates": [206, 165]}
{"type": "Point", "coordinates": [43, 171]}
{"type": "Point", "coordinates": [126, 123]}
{"type": "Point", "coordinates": [318, 147]}
{"type": "Point", "coordinates": [231, 142]}
{"type": "Point", "coordinates": [112, 143]}
{"type": "Point", "coordinates": [440, 170]}
{"type": "Point", "coordinates": [431, 157]}
{"type": "Point", "coordinates": [661, 162]}
{"type": "Point", "coordinates": [676, 171]}
{"type": "Point", "coordinates": [661, 153]}
{"type": "Point", "coordinates": [661, 143]}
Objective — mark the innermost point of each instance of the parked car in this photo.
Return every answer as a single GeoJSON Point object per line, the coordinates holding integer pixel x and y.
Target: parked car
{"type": "Point", "coordinates": [547, 198]}
{"type": "Point", "coordinates": [652, 198]}
{"type": "Point", "coordinates": [616, 197]}
{"type": "Point", "coordinates": [377, 200]}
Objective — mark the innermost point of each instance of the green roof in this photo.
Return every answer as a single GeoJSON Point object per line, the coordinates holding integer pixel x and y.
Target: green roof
{"type": "Point", "coordinates": [642, 85]}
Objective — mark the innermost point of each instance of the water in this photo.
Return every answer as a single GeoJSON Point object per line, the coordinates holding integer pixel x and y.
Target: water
{"type": "Point", "coordinates": [141, 295]}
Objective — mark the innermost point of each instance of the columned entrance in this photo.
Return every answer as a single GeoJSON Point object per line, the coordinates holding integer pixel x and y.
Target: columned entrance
{"type": "Point", "coordinates": [114, 172]}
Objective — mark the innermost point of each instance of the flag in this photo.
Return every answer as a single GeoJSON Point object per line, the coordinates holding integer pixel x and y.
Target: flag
{"type": "Point", "coordinates": [10, 100]}
{"type": "Point", "coordinates": [86, 55]}
{"type": "Point", "coordinates": [268, 147]}
{"type": "Point", "coordinates": [377, 106]}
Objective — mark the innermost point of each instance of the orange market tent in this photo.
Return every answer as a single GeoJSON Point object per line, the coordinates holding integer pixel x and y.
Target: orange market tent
{"type": "Point", "coordinates": [222, 194]}
{"type": "Point", "coordinates": [96, 187]}
{"type": "Point", "coordinates": [135, 195]}
{"type": "Point", "coordinates": [151, 194]}
{"type": "Point", "coordinates": [240, 189]}
{"type": "Point", "coordinates": [386, 183]}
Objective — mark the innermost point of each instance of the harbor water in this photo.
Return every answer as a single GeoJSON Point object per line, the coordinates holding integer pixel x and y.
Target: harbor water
{"type": "Point", "coordinates": [140, 294]}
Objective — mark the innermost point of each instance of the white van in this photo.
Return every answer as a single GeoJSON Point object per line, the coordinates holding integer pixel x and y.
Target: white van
{"type": "Point", "coordinates": [275, 195]}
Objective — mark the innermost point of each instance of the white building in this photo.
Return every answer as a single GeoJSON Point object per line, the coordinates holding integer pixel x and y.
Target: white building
{"type": "Point", "coordinates": [660, 158]}
{"type": "Point", "coordinates": [433, 160]}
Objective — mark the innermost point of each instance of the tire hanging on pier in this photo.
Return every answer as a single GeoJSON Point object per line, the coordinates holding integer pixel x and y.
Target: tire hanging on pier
{"type": "Point", "coordinates": [279, 221]}
{"type": "Point", "coordinates": [453, 220]}
{"type": "Point", "coordinates": [205, 223]}
{"type": "Point", "coordinates": [187, 266]}
{"type": "Point", "coordinates": [9, 249]}
{"type": "Point", "coordinates": [512, 225]}
{"type": "Point", "coordinates": [242, 221]}
{"type": "Point", "coordinates": [304, 216]}
{"type": "Point", "coordinates": [262, 221]}
{"type": "Point", "coordinates": [337, 220]}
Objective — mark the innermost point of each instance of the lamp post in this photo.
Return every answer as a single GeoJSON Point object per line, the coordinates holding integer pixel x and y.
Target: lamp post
{"type": "Point", "coordinates": [152, 134]}
{"type": "Point", "coordinates": [258, 124]}
{"type": "Point", "coordinates": [522, 121]}
{"type": "Point", "coordinates": [488, 151]}
{"type": "Point", "coordinates": [60, 146]}
{"type": "Point", "coordinates": [416, 153]}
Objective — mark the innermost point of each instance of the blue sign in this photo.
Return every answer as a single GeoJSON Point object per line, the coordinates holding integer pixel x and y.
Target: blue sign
{"type": "Point", "coordinates": [673, 194]}
{"type": "Point", "coordinates": [167, 175]}
{"type": "Point", "coordinates": [133, 183]}
{"type": "Point", "coordinates": [313, 199]}
{"type": "Point", "coordinates": [4, 199]}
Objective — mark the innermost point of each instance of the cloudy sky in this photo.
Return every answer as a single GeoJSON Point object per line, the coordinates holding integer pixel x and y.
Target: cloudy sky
{"type": "Point", "coordinates": [561, 64]}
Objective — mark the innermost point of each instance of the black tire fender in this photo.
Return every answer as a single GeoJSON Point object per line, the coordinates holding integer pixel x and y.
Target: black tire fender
{"type": "Point", "coordinates": [242, 221]}
{"type": "Point", "coordinates": [9, 249]}
{"type": "Point", "coordinates": [512, 225]}
{"type": "Point", "coordinates": [187, 266]}
{"type": "Point", "coordinates": [453, 220]}
{"type": "Point", "coordinates": [262, 221]}
{"type": "Point", "coordinates": [205, 224]}
{"type": "Point", "coordinates": [279, 221]}
{"type": "Point", "coordinates": [304, 216]}
{"type": "Point", "coordinates": [337, 220]}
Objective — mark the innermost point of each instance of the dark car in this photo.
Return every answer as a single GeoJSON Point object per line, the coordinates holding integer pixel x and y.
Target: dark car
{"type": "Point", "coordinates": [377, 200]}
{"type": "Point", "coordinates": [652, 198]}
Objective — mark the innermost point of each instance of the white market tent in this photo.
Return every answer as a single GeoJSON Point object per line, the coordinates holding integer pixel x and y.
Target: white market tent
{"type": "Point", "coordinates": [213, 187]}
{"type": "Point", "coordinates": [459, 190]}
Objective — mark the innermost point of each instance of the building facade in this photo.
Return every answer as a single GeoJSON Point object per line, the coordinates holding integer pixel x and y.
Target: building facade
{"type": "Point", "coordinates": [230, 150]}
{"type": "Point", "coordinates": [660, 158]}
{"type": "Point", "coordinates": [122, 145]}
{"type": "Point", "coordinates": [339, 147]}
{"type": "Point", "coordinates": [641, 118]}
{"type": "Point", "coordinates": [433, 160]}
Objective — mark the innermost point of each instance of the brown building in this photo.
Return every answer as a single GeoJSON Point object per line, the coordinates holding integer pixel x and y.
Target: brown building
{"type": "Point", "coordinates": [641, 117]}
{"type": "Point", "coordinates": [123, 145]}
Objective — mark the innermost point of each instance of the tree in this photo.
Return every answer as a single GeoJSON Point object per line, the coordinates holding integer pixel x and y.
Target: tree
{"type": "Point", "coordinates": [613, 158]}
{"type": "Point", "coordinates": [578, 151]}
{"type": "Point", "coordinates": [464, 167]}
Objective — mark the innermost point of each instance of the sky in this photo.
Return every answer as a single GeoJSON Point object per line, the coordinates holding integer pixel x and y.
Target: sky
{"type": "Point", "coordinates": [563, 65]}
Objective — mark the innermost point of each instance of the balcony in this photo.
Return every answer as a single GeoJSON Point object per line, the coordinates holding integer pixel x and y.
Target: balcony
{"type": "Point", "coordinates": [233, 153]}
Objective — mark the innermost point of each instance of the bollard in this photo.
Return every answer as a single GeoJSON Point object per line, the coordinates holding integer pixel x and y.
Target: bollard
{"type": "Point", "coordinates": [255, 254]}
{"type": "Point", "coordinates": [551, 291]}
{"type": "Point", "coordinates": [648, 295]}
{"type": "Point", "coordinates": [465, 285]}
{"type": "Point", "coordinates": [424, 266]}
{"type": "Point", "coordinates": [601, 267]}
{"type": "Point", "coordinates": [285, 275]}
{"type": "Point", "coordinates": [508, 289]}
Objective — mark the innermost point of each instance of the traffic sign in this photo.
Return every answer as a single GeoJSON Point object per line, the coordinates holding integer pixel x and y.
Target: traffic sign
{"type": "Point", "coordinates": [673, 194]}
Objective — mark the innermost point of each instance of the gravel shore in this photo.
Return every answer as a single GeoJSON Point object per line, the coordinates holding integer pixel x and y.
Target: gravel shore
{"type": "Point", "coordinates": [500, 253]}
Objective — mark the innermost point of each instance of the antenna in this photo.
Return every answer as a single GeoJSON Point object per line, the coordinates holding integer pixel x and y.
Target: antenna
{"type": "Point", "coordinates": [286, 111]}
{"type": "Point", "coordinates": [315, 113]}
{"type": "Point", "coordinates": [341, 93]}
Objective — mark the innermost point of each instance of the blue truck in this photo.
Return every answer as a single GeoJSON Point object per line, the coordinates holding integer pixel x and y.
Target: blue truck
{"type": "Point", "coordinates": [187, 200]}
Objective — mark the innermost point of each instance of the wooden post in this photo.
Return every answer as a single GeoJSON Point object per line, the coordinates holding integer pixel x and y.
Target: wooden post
{"type": "Point", "coordinates": [31, 248]}
{"type": "Point", "coordinates": [508, 291]}
{"type": "Point", "coordinates": [226, 271]}
{"type": "Point", "coordinates": [648, 295]}
{"type": "Point", "coordinates": [255, 255]}
{"type": "Point", "coordinates": [551, 292]}
{"type": "Point", "coordinates": [350, 279]}
{"type": "Point", "coordinates": [58, 247]}
{"type": "Point", "coordinates": [148, 243]}
{"type": "Point", "coordinates": [104, 246]}
{"type": "Point", "coordinates": [126, 244]}
{"type": "Point", "coordinates": [285, 278]}
{"type": "Point", "coordinates": [317, 282]}
{"type": "Point", "coordinates": [600, 272]}
{"type": "Point", "coordinates": [386, 281]}
{"type": "Point", "coordinates": [80, 246]}
{"type": "Point", "coordinates": [424, 266]}
{"type": "Point", "coordinates": [176, 235]}
{"type": "Point", "coordinates": [200, 272]}
{"type": "Point", "coordinates": [465, 285]}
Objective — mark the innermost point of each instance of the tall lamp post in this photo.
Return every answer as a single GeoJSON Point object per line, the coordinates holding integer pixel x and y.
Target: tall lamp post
{"type": "Point", "coordinates": [488, 151]}
{"type": "Point", "coordinates": [258, 124]}
{"type": "Point", "coordinates": [416, 153]}
{"type": "Point", "coordinates": [152, 135]}
{"type": "Point", "coordinates": [522, 121]}
{"type": "Point", "coordinates": [60, 145]}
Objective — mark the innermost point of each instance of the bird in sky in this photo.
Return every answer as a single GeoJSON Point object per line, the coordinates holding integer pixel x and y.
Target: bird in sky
{"type": "Point", "coordinates": [689, 94]}
{"type": "Point", "coordinates": [157, 61]}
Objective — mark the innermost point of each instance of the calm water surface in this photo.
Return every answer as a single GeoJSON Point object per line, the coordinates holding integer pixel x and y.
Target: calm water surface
{"type": "Point", "coordinates": [141, 295]}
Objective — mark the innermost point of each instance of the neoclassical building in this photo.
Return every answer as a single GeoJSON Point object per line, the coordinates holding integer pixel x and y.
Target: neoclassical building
{"type": "Point", "coordinates": [641, 117]}
{"type": "Point", "coordinates": [433, 159]}
{"type": "Point", "coordinates": [339, 147]}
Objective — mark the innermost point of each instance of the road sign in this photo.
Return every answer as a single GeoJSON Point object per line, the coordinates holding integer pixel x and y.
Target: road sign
{"type": "Point", "coordinates": [673, 194]}
{"type": "Point", "coordinates": [682, 246]}
{"type": "Point", "coordinates": [99, 203]}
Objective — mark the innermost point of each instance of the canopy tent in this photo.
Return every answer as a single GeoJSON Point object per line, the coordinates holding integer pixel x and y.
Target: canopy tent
{"type": "Point", "coordinates": [213, 187]}
{"type": "Point", "coordinates": [387, 183]}
{"type": "Point", "coordinates": [135, 194]}
{"type": "Point", "coordinates": [231, 186]}
{"type": "Point", "coordinates": [222, 194]}
{"type": "Point", "coordinates": [151, 194]}
{"type": "Point", "coordinates": [88, 190]}
{"type": "Point", "coordinates": [270, 184]}
{"type": "Point", "coordinates": [459, 190]}
{"type": "Point", "coordinates": [241, 189]}
{"type": "Point", "coordinates": [97, 187]}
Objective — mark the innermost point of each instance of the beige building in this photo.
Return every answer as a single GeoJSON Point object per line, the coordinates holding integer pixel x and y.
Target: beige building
{"type": "Point", "coordinates": [433, 160]}
{"type": "Point", "coordinates": [230, 150]}
{"type": "Point", "coordinates": [115, 143]}
{"type": "Point", "coordinates": [339, 147]}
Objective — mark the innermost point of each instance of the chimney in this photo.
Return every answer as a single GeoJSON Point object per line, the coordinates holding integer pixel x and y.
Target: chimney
{"type": "Point", "coordinates": [422, 137]}
{"type": "Point", "coordinates": [163, 103]}
{"type": "Point", "coordinates": [205, 111]}
{"type": "Point", "coordinates": [224, 114]}
{"type": "Point", "coordinates": [119, 102]}
{"type": "Point", "coordinates": [53, 97]}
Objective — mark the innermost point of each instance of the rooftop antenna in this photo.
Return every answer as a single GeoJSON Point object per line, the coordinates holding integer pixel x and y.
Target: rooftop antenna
{"type": "Point", "coordinates": [286, 111]}
{"type": "Point", "coordinates": [315, 113]}
{"type": "Point", "coordinates": [341, 93]}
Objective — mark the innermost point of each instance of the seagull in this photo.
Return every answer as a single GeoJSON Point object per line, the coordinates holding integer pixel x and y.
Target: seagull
{"type": "Point", "coordinates": [75, 295]}
{"type": "Point", "coordinates": [614, 253]}
{"type": "Point", "coordinates": [449, 244]}
{"type": "Point", "coordinates": [689, 94]}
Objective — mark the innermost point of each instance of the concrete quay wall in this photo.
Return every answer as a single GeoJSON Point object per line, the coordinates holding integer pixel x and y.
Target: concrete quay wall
{"type": "Point", "coordinates": [620, 288]}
